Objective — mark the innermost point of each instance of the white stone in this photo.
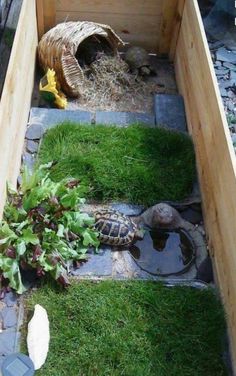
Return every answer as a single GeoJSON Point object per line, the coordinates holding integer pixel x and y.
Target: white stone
{"type": "Point", "coordinates": [38, 336]}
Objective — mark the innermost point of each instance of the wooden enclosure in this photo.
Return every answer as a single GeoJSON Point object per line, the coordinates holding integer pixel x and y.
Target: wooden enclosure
{"type": "Point", "coordinates": [172, 27]}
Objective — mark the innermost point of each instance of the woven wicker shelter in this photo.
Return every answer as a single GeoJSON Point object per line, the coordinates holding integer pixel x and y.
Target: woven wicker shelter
{"type": "Point", "coordinates": [59, 46]}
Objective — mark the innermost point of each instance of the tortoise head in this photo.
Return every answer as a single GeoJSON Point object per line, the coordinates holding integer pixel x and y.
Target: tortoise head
{"type": "Point", "coordinates": [139, 233]}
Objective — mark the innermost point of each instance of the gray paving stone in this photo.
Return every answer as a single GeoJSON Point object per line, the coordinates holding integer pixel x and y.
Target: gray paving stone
{"type": "Point", "coordinates": [99, 264]}
{"type": "Point", "coordinates": [227, 84]}
{"type": "Point", "coordinates": [170, 111]}
{"type": "Point", "coordinates": [28, 160]}
{"type": "Point", "coordinates": [34, 131]}
{"type": "Point", "coordinates": [49, 117]}
{"type": "Point", "coordinates": [233, 75]}
{"type": "Point", "coordinates": [229, 65]}
{"type": "Point", "coordinates": [216, 45]}
{"type": "Point", "coordinates": [221, 72]}
{"type": "Point", "coordinates": [9, 317]}
{"type": "Point", "coordinates": [128, 209]}
{"type": "Point", "coordinates": [124, 118]}
{"type": "Point", "coordinates": [7, 342]}
{"type": "Point", "coordinates": [10, 299]}
{"type": "Point", "coordinates": [223, 92]}
{"type": "Point", "coordinates": [223, 54]}
{"type": "Point", "coordinates": [32, 146]}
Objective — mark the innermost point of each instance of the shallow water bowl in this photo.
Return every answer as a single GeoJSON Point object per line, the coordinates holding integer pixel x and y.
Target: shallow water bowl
{"type": "Point", "coordinates": [164, 252]}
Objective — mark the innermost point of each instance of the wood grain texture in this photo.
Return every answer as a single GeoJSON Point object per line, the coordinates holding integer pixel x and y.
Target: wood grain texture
{"type": "Point", "coordinates": [40, 17]}
{"type": "Point", "coordinates": [16, 96]}
{"type": "Point", "coordinates": [136, 22]}
{"type": "Point", "coordinates": [216, 160]}
{"type": "Point", "coordinates": [176, 28]}
{"type": "Point", "coordinates": [139, 30]}
{"type": "Point", "coordinates": [167, 25]}
{"type": "Point", "coordinates": [132, 7]}
{"type": "Point", "coordinates": [46, 15]}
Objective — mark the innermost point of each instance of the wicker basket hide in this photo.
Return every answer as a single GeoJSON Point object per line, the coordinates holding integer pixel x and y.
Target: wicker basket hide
{"type": "Point", "coordinates": [58, 50]}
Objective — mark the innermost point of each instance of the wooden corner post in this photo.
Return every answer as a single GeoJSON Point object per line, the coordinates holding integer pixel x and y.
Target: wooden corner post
{"type": "Point", "coordinates": [172, 11]}
{"type": "Point", "coordinates": [46, 15]}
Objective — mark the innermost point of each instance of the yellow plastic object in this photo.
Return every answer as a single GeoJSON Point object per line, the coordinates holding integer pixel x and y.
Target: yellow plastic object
{"type": "Point", "coordinates": [50, 90]}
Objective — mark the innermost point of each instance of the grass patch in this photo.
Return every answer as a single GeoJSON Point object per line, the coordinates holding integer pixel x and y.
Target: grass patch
{"type": "Point", "coordinates": [136, 164]}
{"type": "Point", "coordinates": [132, 328]}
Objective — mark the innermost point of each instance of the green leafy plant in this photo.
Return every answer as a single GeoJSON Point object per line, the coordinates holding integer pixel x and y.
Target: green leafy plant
{"type": "Point", "coordinates": [43, 228]}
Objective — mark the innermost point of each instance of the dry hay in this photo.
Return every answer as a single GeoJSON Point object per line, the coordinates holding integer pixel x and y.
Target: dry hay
{"type": "Point", "coordinates": [109, 86]}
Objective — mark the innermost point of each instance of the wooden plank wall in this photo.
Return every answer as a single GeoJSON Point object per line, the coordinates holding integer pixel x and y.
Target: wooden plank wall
{"type": "Point", "coordinates": [16, 96]}
{"type": "Point", "coordinates": [148, 23]}
{"type": "Point", "coordinates": [214, 152]}
{"type": "Point", "coordinates": [137, 22]}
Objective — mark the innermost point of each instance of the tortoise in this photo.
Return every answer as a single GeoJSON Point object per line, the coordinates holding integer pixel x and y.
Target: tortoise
{"type": "Point", "coordinates": [115, 228]}
{"type": "Point", "coordinates": [138, 60]}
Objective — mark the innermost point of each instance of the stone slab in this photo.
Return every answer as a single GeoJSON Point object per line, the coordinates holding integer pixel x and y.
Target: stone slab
{"type": "Point", "coordinates": [10, 299]}
{"type": "Point", "coordinates": [223, 54]}
{"type": "Point", "coordinates": [7, 342]}
{"type": "Point", "coordinates": [9, 317]}
{"type": "Point", "coordinates": [28, 160]}
{"type": "Point", "coordinates": [49, 117]}
{"type": "Point", "coordinates": [34, 131]}
{"type": "Point", "coordinates": [124, 118]}
{"type": "Point", "coordinates": [170, 111]}
{"type": "Point", "coordinates": [98, 265]}
{"type": "Point", "coordinates": [128, 209]}
{"type": "Point", "coordinates": [230, 66]}
{"type": "Point", "coordinates": [32, 146]}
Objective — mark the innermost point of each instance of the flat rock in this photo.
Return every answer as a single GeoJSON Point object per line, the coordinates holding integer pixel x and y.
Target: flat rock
{"type": "Point", "coordinates": [223, 54]}
{"type": "Point", "coordinates": [49, 117]}
{"type": "Point", "coordinates": [216, 45]}
{"type": "Point", "coordinates": [9, 317]}
{"type": "Point", "coordinates": [218, 64]}
{"type": "Point", "coordinates": [233, 75]}
{"type": "Point", "coordinates": [32, 146]}
{"type": "Point", "coordinates": [227, 84]}
{"type": "Point", "coordinates": [28, 160]}
{"type": "Point", "coordinates": [99, 264]}
{"type": "Point", "coordinates": [8, 340]}
{"type": "Point", "coordinates": [230, 106]}
{"type": "Point", "coordinates": [221, 72]}
{"type": "Point", "coordinates": [170, 111]}
{"type": "Point", "coordinates": [223, 92]}
{"type": "Point", "coordinates": [128, 209]}
{"type": "Point", "coordinates": [124, 118]}
{"type": "Point", "coordinates": [10, 299]}
{"type": "Point", "coordinates": [229, 65]}
{"type": "Point", "coordinates": [34, 131]}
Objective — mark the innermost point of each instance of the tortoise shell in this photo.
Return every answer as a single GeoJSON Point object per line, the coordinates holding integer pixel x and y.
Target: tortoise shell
{"type": "Point", "coordinates": [114, 227]}
{"type": "Point", "coordinates": [136, 57]}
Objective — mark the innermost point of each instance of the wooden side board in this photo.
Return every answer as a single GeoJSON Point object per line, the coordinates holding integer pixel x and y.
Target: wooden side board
{"type": "Point", "coordinates": [16, 96]}
{"type": "Point", "coordinates": [148, 23]}
{"type": "Point", "coordinates": [216, 160]}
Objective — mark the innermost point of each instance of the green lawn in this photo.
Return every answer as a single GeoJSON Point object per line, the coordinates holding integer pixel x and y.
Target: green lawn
{"type": "Point", "coordinates": [136, 164]}
{"type": "Point", "coordinates": [133, 328]}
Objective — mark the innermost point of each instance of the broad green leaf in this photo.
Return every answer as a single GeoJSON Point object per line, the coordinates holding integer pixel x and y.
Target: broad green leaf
{"type": "Point", "coordinates": [60, 231]}
{"type": "Point", "coordinates": [30, 180]}
{"type": "Point", "coordinates": [45, 263]}
{"type": "Point", "coordinates": [11, 189]}
{"type": "Point", "coordinates": [21, 247]}
{"type": "Point", "coordinates": [29, 237]}
{"type": "Point", "coordinates": [90, 238]}
{"type": "Point", "coordinates": [6, 234]}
